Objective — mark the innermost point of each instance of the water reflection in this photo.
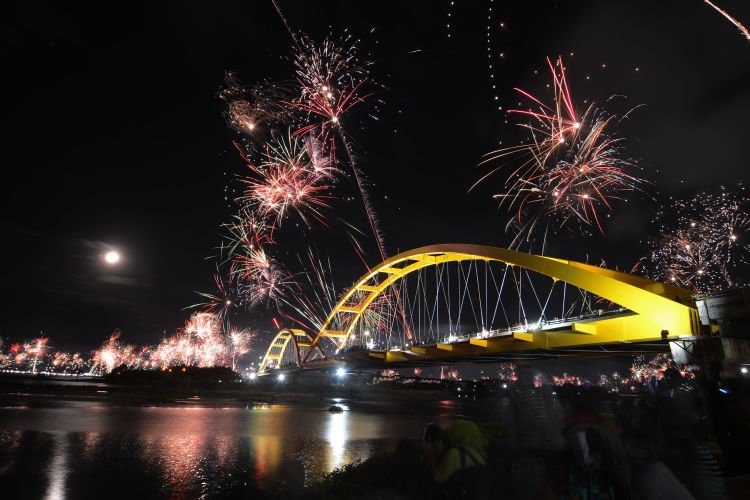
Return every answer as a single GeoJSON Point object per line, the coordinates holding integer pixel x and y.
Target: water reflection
{"type": "Point", "coordinates": [337, 434]}
{"type": "Point", "coordinates": [79, 451]}
{"type": "Point", "coordinates": [58, 468]}
{"type": "Point", "coordinates": [267, 452]}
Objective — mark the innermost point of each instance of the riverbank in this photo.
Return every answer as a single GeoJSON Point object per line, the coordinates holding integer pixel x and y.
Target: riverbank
{"type": "Point", "coordinates": [231, 393]}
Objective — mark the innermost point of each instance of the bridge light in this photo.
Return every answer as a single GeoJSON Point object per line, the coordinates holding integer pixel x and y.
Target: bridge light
{"type": "Point", "coordinates": [340, 372]}
{"type": "Point", "coordinates": [281, 377]}
{"type": "Point", "coordinates": [252, 376]}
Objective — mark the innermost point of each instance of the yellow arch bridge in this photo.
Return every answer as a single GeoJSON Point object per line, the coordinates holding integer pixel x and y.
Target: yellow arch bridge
{"type": "Point", "coordinates": [644, 312]}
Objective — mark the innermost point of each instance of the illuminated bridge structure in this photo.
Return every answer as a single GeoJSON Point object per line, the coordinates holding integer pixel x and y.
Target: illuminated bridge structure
{"type": "Point", "coordinates": [601, 311]}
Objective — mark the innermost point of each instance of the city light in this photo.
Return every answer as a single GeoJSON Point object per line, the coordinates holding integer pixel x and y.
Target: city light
{"type": "Point", "coordinates": [340, 372]}
{"type": "Point", "coordinates": [281, 377]}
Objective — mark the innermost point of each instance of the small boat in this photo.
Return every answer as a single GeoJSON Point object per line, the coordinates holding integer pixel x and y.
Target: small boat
{"type": "Point", "coordinates": [335, 409]}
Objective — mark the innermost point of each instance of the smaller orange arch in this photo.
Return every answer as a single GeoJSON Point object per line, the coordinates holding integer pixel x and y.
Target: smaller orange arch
{"type": "Point", "coordinates": [280, 343]}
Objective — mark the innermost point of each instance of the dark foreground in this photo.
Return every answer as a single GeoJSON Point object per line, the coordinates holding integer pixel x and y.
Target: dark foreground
{"type": "Point", "coordinates": [95, 439]}
{"type": "Point", "coordinates": [99, 440]}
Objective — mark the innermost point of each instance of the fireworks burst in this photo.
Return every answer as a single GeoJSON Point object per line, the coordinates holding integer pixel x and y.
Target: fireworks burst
{"type": "Point", "coordinates": [291, 177]}
{"type": "Point", "coordinates": [253, 111]}
{"type": "Point", "coordinates": [35, 350]}
{"type": "Point", "coordinates": [261, 279]}
{"type": "Point", "coordinates": [245, 232]}
{"type": "Point", "coordinates": [201, 342]}
{"type": "Point", "coordinates": [507, 372]}
{"type": "Point", "coordinates": [220, 301]}
{"type": "Point", "coordinates": [111, 355]}
{"type": "Point", "coordinates": [238, 344]}
{"type": "Point", "coordinates": [259, 276]}
{"type": "Point", "coordinates": [297, 173]}
{"type": "Point", "coordinates": [570, 172]}
{"type": "Point", "coordinates": [704, 242]}
{"type": "Point", "coordinates": [332, 80]}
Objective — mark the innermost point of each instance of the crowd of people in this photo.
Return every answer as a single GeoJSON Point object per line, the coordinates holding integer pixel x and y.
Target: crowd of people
{"type": "Point", "coordinates": [674, 440]}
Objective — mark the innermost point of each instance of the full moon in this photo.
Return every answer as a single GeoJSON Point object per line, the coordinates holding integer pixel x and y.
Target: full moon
{"type": "Point", "coordinates": [112, 257]}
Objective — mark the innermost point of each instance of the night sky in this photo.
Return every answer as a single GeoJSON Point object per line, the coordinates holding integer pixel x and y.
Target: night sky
{"type": "Point", "coordinates": [113, 134]}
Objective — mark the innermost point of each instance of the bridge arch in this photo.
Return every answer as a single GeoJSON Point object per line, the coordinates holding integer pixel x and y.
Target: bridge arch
{"type": "Point", "coordinates": [287, 337]}
{"type": "Point", "coordinates": [657, 307]}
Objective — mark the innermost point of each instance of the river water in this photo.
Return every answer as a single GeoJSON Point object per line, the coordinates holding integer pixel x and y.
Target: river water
{"type": "Point", "coordinates": [59, 449]}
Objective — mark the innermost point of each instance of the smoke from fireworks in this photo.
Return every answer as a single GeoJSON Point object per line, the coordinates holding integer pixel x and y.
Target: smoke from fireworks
{"type": "Point", "coordinates": [254, 112]}
{"type": "Point", "coordinates": [571, 171]}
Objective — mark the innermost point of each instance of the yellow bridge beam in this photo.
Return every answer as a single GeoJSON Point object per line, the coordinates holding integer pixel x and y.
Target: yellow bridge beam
{"type": "Point", "coordinates": [657, 307]}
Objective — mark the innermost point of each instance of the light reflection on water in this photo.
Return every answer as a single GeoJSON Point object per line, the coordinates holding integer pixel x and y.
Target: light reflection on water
{"type": "Point", "coordinates": [58, 468]}
{"type": "Point", "coordinates": [72, 450]}
{"type": "Point", "coordinates": [337, 436]}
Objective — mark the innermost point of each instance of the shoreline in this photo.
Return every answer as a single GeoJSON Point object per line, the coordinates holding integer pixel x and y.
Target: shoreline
{"type": "Point", "coordinates": [15, 391]}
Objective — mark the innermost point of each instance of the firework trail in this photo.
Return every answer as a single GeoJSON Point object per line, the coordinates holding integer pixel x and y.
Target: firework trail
{"type": "Point", "coordinates": [704, 242]}
{"type": "Point", "coordinates": [331, 79]}
{"type": "Point", "coordinates": [729, 18]}
{"type": "Point", "coordinates": [284, 20]}
{"type": "Point", "coordinates": [316, 294]}
{"type": "Point", "coordinates": [572, 169]}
